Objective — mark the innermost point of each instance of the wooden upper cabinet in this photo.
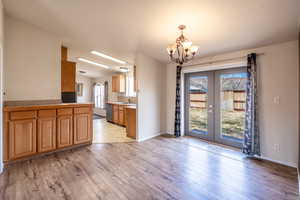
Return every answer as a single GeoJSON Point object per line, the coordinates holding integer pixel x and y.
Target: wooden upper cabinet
{"type": "Point", "coordinates": [22, 138]}
{"type": "Point", "coordinates": [64, 131]}
{"type": "Point", "coordinates": [64, 53]}
{"type": "Point", "coordinates": [68, 76]}
{"type": "Point", "coordinates": [118, 83]}
{"type": "Point", "coordinates": [46, 130]}
{"type": "Point", "coordinates": [82, 128]}
{"type": "Point", "coordinates": [68, 72]}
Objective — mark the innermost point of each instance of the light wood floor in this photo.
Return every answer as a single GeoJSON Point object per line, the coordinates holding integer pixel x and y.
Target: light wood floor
{"type": "Point", "coordinates": [160, 168]}
{"type": "Point", "coordinates": [106, 132]}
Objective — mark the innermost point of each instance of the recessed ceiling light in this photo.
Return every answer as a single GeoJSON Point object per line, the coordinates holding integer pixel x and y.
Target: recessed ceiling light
{"type": "Point", "coordinates": [93, 63]}
{"type": "Point", "coordinates": [124, 69]}
{"type": "Point", "coordinates": [108, 57]}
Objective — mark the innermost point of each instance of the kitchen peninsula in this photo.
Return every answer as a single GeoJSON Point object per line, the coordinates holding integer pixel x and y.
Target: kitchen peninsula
{"type": "Point", "coordinates": [37, 129]}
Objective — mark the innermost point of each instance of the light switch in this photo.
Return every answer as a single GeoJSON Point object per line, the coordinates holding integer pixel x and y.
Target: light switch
{"type": "Point", "coordinates": [276, 100]}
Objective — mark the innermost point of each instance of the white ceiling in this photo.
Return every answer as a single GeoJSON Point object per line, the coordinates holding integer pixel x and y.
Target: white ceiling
{"type": "Point", "coordinates": [120, 28]}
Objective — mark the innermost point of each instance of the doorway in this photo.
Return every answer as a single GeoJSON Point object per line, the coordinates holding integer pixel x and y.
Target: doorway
{"type": "Point", "coordinates": [215, 103]}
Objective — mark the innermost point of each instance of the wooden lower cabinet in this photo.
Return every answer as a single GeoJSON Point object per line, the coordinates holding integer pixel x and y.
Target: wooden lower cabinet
{"type": "Point", "coordinates": [22, 138]}
{"type": "Point", "coordinates": [121, 118]}
{"type": "Point", "coordinates": [64, 131]}
{"type": "Point", "coordinates": [131, 122]}
{"type": "Point", "coordinates": [31, 130]}
{"type": "Point", "coordinates": [46, 134]}
{"type": "Point", "coordinates": [82, 128]}
{"type": "Point", "coordinates": [116, 114]}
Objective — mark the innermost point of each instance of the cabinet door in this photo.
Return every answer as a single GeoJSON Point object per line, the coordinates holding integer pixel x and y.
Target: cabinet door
{"type": "Point", "coordinates": [115, 83]}
{"type": "Point", "coordinates": [122, 83]}
{"type": "Point", "coordinates": [46, 134]}
{"type": "Point", "coordinates": [82, 128]}
{"type": "Point", "coordinates": [116, 114]}
{"type": "Point", "coordinates": [68, 74]}
{"type": "Point", "coordinates": [121, 116]}
{"type": "Point", "coordinates": [22, 138]}
{"type": "Point", "coordinates": [64, 131]}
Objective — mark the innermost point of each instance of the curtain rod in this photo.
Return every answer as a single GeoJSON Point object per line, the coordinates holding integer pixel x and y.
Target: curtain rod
{"type": "Point", "coordinates": [217, 61]}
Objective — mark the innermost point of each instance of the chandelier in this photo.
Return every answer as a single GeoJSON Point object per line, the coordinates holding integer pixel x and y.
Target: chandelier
{"type": "Point", "coordinates": [182, 50]}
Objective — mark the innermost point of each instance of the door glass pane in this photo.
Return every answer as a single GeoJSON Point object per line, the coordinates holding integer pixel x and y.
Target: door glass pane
{"type": "Point", "coordinates": [198, 104]}
{"type": "Point", "coordinates": [233, 105]}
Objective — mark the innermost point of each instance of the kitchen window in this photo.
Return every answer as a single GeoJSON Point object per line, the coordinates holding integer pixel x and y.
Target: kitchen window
{"type": "Point", "coordinates": [130, 86]}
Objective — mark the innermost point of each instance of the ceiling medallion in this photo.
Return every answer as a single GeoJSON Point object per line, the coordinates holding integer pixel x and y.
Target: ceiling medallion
{"type": "Point", "coordinates": [182, 50]}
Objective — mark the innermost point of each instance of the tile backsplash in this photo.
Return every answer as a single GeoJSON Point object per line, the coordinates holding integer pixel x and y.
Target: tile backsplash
{"type": "Point", "coordinates": [127, 99]}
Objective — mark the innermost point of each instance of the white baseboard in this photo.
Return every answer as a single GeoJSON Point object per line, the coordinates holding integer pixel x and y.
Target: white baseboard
{"type": "Point", "coordinates": [279, 162]}
{"type": "Point", "coordinates": [147, 138]}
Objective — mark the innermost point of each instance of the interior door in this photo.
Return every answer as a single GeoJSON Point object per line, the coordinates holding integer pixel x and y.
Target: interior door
{"type": "Point", "coordinates": [199, 90]}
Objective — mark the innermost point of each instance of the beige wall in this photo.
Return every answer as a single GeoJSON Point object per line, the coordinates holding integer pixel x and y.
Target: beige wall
{"type": "Point", "coordinates": [31, 62]}
{"type": "Point", "coordinates": [87, 88]}
{"type": "Point", "coordinates": [278, 76]}
{"type": "Point", "coordinates": [150, 109]}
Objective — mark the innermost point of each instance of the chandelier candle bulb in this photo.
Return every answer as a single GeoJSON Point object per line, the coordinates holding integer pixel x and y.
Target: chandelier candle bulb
{"type": "Point", "coordinates": [194, 49]}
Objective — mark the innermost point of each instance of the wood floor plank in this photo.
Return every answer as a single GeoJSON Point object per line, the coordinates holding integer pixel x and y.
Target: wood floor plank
{"type": "Point", "coordinates": [160, 168]}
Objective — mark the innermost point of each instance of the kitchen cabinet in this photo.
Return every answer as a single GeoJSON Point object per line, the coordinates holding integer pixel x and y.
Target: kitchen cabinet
{"type": "Point", "coordinates": [46, 130]}
{"type": "Point", "coordinates": [82, 129]}
{"type": "Point", "coordinates": [131, 121]}
{"type": "Point", "coordinates": [118, 83]}
{"type": "Point", "coordinates": [121, 116]}
{"type": "Point", "coordinates": [32, 130]}
{"type": "Point", "coordinates": [22, 138]}
{"type": "Point", "coordinates": [116, 113]}
{"type": "Point", "coordinates": [68, 75]}
{"type": "Point", "coordinates": [64, 131]}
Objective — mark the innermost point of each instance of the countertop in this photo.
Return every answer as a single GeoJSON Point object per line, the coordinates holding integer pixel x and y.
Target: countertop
{"type": "Point", "coordinates": [44, 106]}
{"type": "Point", "coordinates": [122, 103]}
{"type": "Point", "coordinates": [131, 107]}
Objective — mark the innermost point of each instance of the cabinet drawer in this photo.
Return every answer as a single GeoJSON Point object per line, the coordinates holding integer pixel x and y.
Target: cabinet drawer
{"type": "Point", "coordinates": [22, 115]}
{"type": "Point", "coordinates": [82, 110]}
{"type": "Point", "coordinates": [47, 113]}
{"type": "Point", "coordinates": [121, 108]}
{"type": "Point", "coordinates": [64, 111]}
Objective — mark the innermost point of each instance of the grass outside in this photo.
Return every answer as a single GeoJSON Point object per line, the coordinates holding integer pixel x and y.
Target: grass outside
{"type": "Point", "coordinates": [232, 122]}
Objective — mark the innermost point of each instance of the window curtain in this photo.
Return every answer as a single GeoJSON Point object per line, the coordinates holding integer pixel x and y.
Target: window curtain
{"type": "Point", "coordinates": [177, 131]}
{"type": "Point", "coordinates": [105, 94]}
{"type": "Point", "coordinates": [251, 144]}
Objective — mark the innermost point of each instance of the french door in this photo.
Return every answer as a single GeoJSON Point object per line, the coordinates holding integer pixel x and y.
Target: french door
{"type": "Point", "coordinates": [215, 103]}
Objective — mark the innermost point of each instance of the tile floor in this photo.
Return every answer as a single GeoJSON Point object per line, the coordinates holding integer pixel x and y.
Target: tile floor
{"type": "Point", "coordinates": [105, 132]}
